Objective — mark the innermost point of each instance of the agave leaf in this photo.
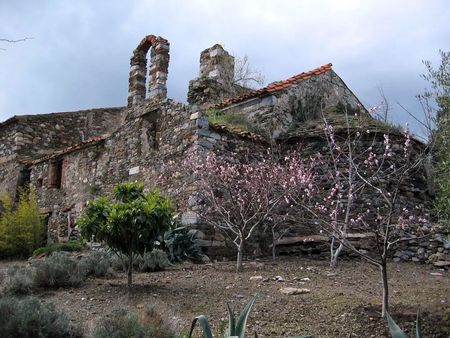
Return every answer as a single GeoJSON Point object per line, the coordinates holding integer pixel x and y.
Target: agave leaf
{"type": "Point", "coordinates": [394, 329]}
{"type": "Point", "coordinates": [203, 321]}
{"type": "Point", "coordinates": [242, 321]}
{"type": "Point", "coordinates": [418, 329]}
{"type": "Point", "coordinates": [231, 330]}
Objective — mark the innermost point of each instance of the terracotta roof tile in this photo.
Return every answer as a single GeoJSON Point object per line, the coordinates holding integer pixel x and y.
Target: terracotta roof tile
{"type": "Point", "coordinates": [275, 86]}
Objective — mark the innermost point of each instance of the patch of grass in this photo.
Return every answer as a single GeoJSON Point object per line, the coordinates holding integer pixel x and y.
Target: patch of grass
{"type": "Point", "coordinates": [69, 246]}
{"type": "Point", "coordinates": [29, 317]}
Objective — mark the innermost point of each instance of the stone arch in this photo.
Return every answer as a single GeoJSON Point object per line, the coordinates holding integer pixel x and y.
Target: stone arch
{"type": "Point", "coordinates": [159, 65]}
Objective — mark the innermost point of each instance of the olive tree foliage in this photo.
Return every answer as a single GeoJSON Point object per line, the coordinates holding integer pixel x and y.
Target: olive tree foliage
{"type": "Point", "coordinates": [129, 222]}
{"type": "Point", "coordinates": [436, 104]}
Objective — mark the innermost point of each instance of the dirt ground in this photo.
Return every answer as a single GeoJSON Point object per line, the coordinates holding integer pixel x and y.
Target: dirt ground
{"type": "Point", "coordinates": [343, 301]}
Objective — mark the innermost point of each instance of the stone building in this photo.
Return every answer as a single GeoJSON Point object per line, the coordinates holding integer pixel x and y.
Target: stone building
{"type": "Point", "coordinates": [75, 156]}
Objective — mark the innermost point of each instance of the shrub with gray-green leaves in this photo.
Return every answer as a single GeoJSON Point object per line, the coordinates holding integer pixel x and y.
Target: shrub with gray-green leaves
{"type": "Point", "coordinates": [29, 317]}
{"type": "Point", "coordinates": [98, 264]}
{"type": "Point", "coordinates": [145, 324]}
{"type": "Point", "coordinates": [20, 280]}
{"type": "Point", "coordinates": [155, 260]}
{"type": "Point", "coordinates": [58, 270]}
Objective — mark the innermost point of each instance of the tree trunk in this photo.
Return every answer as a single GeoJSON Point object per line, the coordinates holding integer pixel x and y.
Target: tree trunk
{"type": "Point", "coordinates": [385, 300]}
{"type": "Point", "coordinates": [335, 255]}
{"type": "Point", "coordinates": [130, 269]}
{"type": "Point", "coordinates": [274, 248]}
{"type": "Point", "coordinates": [239, 256]}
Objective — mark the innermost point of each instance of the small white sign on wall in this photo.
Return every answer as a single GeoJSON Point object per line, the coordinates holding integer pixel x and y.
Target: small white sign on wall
{"type": "Point", "coordinates": [133, 171]}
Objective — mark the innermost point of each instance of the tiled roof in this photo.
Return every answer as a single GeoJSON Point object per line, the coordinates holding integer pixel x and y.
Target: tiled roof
{"type": "Point", "coordinates": [67, 150]}
{"type": "Point", "coordinates": [275, 86]}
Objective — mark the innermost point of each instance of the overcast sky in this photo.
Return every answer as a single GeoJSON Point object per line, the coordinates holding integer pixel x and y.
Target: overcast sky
{"type": "Point", "coordinates": [80, 51]}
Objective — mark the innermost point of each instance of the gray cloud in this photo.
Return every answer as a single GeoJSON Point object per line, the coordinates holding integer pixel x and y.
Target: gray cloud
{"type": "Point", "coordinates": [79, 56]}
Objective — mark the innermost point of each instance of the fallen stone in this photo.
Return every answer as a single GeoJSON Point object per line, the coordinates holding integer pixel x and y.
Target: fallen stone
{"type": "Point", "coordinates": [256, 278]}
{"type": "Point", "coordinates": [436, 274]}
{"type": "Point", "coordinates": [278, 279]}
{"type": "Point", "coordinates": [294, 291]}
{"type": "Point", "coordinates": [442, 264]}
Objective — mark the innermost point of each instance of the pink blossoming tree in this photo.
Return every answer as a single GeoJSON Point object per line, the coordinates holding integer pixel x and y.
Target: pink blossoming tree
{"type": "Point", "coordinates": [366, 176]}
{"type": "Point", "coordinates": [241, 197]}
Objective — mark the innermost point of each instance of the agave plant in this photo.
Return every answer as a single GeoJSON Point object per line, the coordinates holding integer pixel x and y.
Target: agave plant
{"type": "Point", "coordinates": [397, 332]}
{"type": "Point", "coordinates": [236, 329]}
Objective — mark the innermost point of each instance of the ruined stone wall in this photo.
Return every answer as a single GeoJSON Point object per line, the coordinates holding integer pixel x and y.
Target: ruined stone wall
{"type": "Point", "coordinates": [151, 147]}
{"type": "Point", "coordinates": [216, 80]}
{"type": "Point", "coordinates": [9, 168]}
{"type": "Point", "coordinates": [298, 104]}
{"type": "Point", "coordinates": [39, 135]}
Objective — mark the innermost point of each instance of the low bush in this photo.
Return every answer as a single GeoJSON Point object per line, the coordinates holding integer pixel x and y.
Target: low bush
{"type": "Point", "coordinates": [29, 317]}
{"type": "Point", "coordinates": [22, 228]}
{"type": "Point", "coordinates": [156, 260]}
{"type": "Point", "coordinates": [58, 270]}
{"type": "Point", "coordinates": [145, 324]}
{"type": "Point", "coordinates": [20, 280]}
{"type": "Point", "coordinates": [98, 264]}
{"type": "Point", "coordinates": [69, 246]}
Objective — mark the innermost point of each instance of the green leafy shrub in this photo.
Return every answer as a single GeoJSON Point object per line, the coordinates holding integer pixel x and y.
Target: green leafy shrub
{"type": "Point", "coordinates": [130, 222]}
{"type": "Point", "coordinates": [22, 228]}
{"type": "Point", "coordinates": [29, 317]}
{"type": "Point", "coordinates": [69, 246]}
{"type": "Point", "coordinates": [20, 280]}
{"type": "Point", "coordinates": [181, 245]}
{"type": "Point", "coordinates": [146, 324]}
{"type": "Point", "coordinates": [58, 270]}
{"type": "Point", "coordinates": [97, 264]}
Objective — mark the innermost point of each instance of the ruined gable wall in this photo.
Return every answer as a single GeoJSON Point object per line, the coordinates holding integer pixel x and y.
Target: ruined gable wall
{"type": "Point", "coordinates": [43, 134]}
{"type": "Point", "coordinates": [297, 104]}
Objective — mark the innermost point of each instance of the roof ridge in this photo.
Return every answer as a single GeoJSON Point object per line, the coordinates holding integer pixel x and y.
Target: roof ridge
{"type": "Point", "coordinates": [275, 86]}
